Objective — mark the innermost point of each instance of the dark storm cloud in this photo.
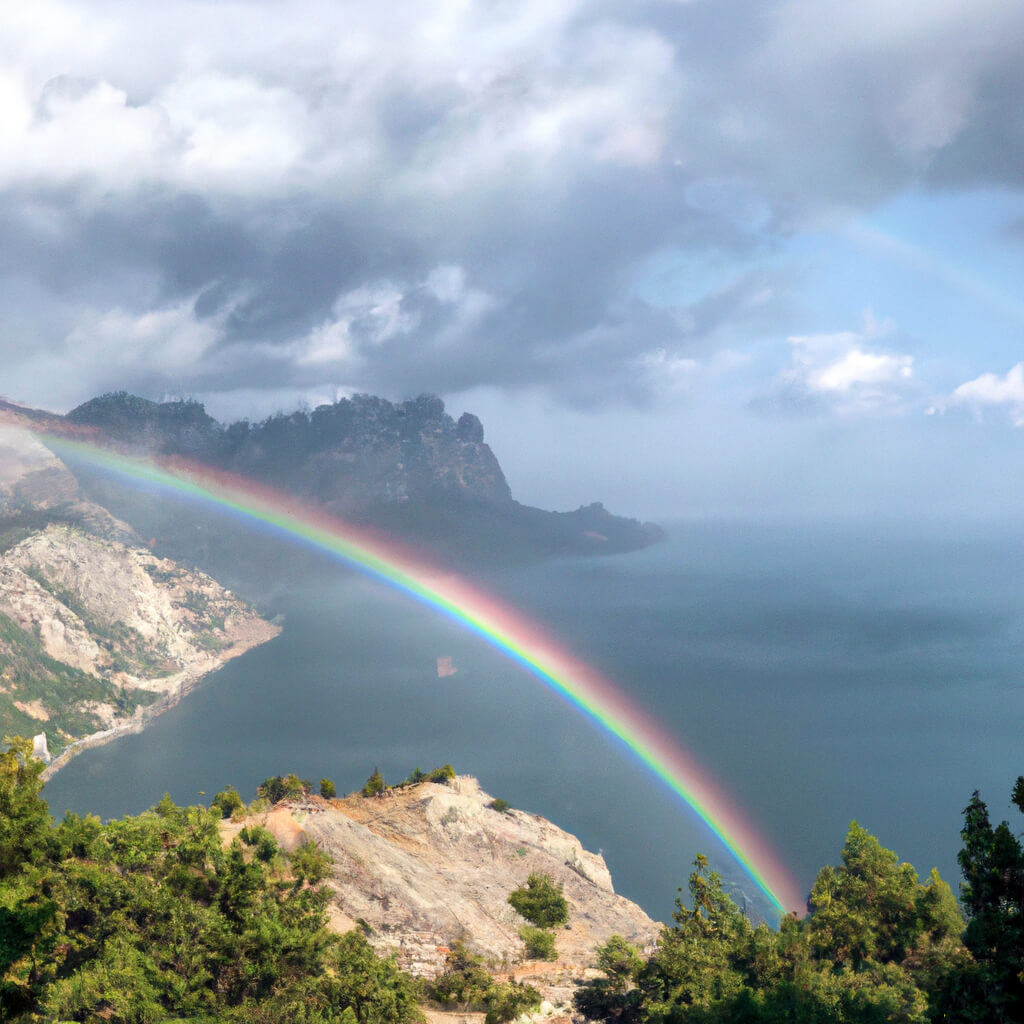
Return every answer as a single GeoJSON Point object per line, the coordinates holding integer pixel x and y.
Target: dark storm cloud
{"type": "Point", "coordinates": [441, 200]}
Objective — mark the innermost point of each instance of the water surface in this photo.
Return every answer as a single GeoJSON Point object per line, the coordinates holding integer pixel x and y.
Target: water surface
{"type": "Point", "coordinates": [820, 675]}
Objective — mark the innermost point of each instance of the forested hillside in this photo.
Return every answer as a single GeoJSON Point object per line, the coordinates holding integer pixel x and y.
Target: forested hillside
{"type": "Point", "coordinates": [876, 945]}
{"type": "Point", "coordinates": [153, 919]}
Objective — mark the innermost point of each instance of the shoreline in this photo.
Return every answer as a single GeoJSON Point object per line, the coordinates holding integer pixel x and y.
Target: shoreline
{"type": "Point", "coordinates": [188, 681]}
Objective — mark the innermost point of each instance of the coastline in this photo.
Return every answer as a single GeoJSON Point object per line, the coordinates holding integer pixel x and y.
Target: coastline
{"type": "Point", "coordinates": [255, 634]}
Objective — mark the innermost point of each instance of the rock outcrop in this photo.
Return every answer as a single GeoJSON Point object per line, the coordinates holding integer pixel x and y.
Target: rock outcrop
{"type": "Point", "coordinates": [432, 864]}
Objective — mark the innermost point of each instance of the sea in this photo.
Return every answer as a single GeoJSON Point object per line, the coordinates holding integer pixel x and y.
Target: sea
{"type": "Point", "coordinates": [819, 672]}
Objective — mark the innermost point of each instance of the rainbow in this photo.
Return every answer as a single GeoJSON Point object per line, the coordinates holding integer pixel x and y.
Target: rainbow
{"type": "Point", "coordinates": [516, 637]}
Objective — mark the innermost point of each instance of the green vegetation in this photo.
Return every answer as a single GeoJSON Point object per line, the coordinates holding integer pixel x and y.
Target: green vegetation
{"type": "Point", "coordinates": [877, 946]}
{"type": "Point", "coordinates": [290, 787]}
{"type": "Point", "coordinates": [327, 789]}
{"type": "Point", "coordinates": [499, 805]}
{"type": "Point", "coordinates": [539, 942]}
{"type": "Point", "coordinates": [227, 801]}
{"type": "Point", "coordinates": [150, 920]}
{"type": "Point", "coordinates": [29, 674]}
{"type": "Point", "coordinates": [375, 784]}
{"type": "Point", "coordinates": [467, 986]}
{"type": "Point", "coordinates": [541, 901]}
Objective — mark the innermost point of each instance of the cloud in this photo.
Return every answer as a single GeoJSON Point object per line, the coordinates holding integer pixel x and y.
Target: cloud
{"type": "Point", "coordinates": [439, 196]}
{"type": "Point", "coordinates": [847, 371]}
{"type": "Point", "coordinates": [991, 392]}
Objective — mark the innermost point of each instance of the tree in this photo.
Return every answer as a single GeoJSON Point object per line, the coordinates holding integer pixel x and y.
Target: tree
{"type": "Point", "coordinates": [465, 982]}
{"type": "Point", "coordinates": [24, 816]}
{"type": "Point", "coordinates": [327, 789]}
{"type": "Point", "coordinates": [696, 962]}
{"type": "Point", "coordinates": [310, 863]}
{"type": "Point", "coordinates": [444, 774]}
{"type": "Point", "coordinates": [620, 961]}
{"type": "Point", "coordinates": [992, 893]}
{"type": "Point", "coordinates": [866, 909]}
{"type": "Point", "coordinates": [374, 784]}
{"type": "Point", "coordinates": [376, 990]}
{"type": "Point", "coordinates": [541, 901]}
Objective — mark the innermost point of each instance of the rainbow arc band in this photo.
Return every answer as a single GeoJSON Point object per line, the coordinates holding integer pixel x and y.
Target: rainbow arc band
{"type": "Point", "coordinates": [507, 631]}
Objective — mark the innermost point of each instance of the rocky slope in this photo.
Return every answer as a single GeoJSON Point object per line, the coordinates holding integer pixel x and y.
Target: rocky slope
{"type": "Point", "coordinates": [96, 632]}
{"type": "Point", "coordinates": [432, 864]}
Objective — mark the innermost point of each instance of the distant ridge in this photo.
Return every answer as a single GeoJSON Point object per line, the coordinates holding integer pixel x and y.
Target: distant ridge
{"type": "Point", "coordinates": [408, 469]}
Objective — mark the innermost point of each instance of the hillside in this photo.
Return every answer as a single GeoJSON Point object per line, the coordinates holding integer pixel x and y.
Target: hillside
{"type": "Point", "coordinates": [96, 632]}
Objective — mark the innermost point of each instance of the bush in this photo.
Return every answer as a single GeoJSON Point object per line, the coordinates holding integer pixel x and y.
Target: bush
{"type": "Point", "coordinates": [541, 902]}
{"type": "Point", "coordinates": [465, 984]}
{"type": "Point", "coordinates": [442, 774]}
{"type": "Point", "coordinates": [276, 788]}
{"type": "Point", "coordinates": [227, 801]}
{"type": "Point", "coordinates": [310, 863]}
{"type": "Point", "coordinates": [497, 804]}
{"type": "Point", "coordinates": [327, 789]}
{"type": "Point", "coordinates": [620, 960]}
{"type": "Point", "coordinates": [540, 943]}
{"type": "Point", "coordinates": [508, 1000]}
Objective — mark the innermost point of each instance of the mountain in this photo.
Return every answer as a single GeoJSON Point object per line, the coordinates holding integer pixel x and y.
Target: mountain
{"type": "Point", "coordinates": [408, 469]}
{"type": "Point", "coordinates": [97, 633]}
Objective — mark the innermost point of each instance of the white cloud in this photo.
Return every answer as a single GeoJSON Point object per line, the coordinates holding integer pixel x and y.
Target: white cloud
{"type": "Point", "coordinates": [169, 340]}
{"type": "Point", "coordinates": [992, 391]}
{"type": "Point", "coordinates": [77, 129]}
{"type": "Point", "coordinates": [235, 132]}
{"type": "Point", "coordinates": [848, 371]}
{"type": "Point", "coordinates": [366, 316]}
{"type": "Point", "coordinates": [371, 315]}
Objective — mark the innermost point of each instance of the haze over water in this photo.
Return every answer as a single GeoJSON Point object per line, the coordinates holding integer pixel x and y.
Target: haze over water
{"type": "Point", "coordinates": [819, 673]}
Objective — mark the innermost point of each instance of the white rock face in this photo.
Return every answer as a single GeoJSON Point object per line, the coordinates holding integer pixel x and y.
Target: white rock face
{"type": "Point", "coordinates": [161, 625]}
{"type": "Point", "coordinates": [96, 602]}
{"type": "Point", "coordinates": [433, 864]}
{"type": "Point", "coordinates": [39, 748]}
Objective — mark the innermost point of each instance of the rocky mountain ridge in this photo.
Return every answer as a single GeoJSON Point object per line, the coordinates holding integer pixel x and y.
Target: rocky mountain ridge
{"type": "Point", "coordinates": [408, 469]}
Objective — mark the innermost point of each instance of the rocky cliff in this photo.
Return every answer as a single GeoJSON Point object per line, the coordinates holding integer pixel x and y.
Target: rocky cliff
{"type": "Point", "coordinates": [96, 632]}
{"type": "Point", "coordinates": [431, 864]}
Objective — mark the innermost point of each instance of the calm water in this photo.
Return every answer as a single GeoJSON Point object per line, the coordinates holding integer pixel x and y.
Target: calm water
{"type": "Point", "coordinates": [820, 675]}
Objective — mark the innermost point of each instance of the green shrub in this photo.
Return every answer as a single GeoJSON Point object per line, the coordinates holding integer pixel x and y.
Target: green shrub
{"type": "Point", "coordinates": [497, 804]}
{"type": "Point", "coordinates": [227, 801]}
{"type": "Point", "coordinates": [508, 1000]}
{"type": "Point", "coordinates": [310, 863]}
{"type": "Point", "coordinates": [541, 901]}
{"type": "Point", "coordinates": [327, 789]}
{"type": "Point", "coordinates": [465, 984]}
{"type": "Point", "coordinates": [277, 788]}
{"type": "Point", "coordinates": [540, 943]}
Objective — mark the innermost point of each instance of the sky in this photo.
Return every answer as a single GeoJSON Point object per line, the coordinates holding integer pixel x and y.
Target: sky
{"type": "Point", "coordinates": [686, 257]}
